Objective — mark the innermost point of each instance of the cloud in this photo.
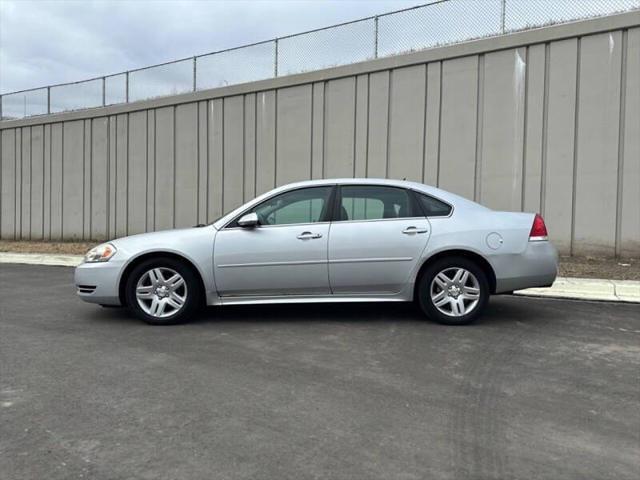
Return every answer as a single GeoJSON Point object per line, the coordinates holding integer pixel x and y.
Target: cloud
{"type": "Point", "coordinates": [46, 42]}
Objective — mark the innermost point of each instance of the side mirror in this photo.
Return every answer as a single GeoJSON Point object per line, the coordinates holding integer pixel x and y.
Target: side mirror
{"type": "Point", "coordinates": [249, 220]}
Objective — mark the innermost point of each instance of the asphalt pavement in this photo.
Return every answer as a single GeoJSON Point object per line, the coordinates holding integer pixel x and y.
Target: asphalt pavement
{"type": "Point", "coordinates": [538, 388]}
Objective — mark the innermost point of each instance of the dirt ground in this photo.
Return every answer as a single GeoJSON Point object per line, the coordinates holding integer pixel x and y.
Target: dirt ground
{"type": "Point", "coordinates": [581, 267]}
{"type": "Point", "coordinates": [592, 267]}
{"type": "Point", "coordinates": [66, 248]}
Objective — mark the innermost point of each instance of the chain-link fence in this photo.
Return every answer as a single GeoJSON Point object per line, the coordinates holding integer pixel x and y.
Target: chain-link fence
{"type": "Point", "coordinates": [439, 22]}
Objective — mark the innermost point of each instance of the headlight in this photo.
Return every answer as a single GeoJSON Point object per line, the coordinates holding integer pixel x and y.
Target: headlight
{"type": "Point", "coordinates": [101, 253]}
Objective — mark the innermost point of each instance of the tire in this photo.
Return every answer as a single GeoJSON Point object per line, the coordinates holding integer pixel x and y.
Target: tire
{"type": "Point", "coordinates": [164, 291]}
{"type": "Point", "coordinates": [450, 296]}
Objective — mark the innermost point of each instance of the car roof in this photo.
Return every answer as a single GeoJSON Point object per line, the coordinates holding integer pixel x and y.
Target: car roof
{"type": "Point", "coordinates": [451, 198]}
{"type": "Point", "coordinates": [362, 181]}
{"type": "Point", "coordinates": [421, 187]}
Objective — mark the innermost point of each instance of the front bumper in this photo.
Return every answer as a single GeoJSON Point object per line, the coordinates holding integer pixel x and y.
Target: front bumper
{"type": "Point", "coordinates": [99, 282]}
{"type": "Point", "coordinates": [537, 266]}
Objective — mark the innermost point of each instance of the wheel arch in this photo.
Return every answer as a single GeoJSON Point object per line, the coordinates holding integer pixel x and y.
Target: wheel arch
{"type": "Point", "coordinates": [155, 254]}
{"type": "Point", "coordinates": [482, 262]}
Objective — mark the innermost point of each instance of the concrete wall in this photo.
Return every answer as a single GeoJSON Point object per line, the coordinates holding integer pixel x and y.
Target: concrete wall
{"type": "Point", "coordinates": [545, 120]}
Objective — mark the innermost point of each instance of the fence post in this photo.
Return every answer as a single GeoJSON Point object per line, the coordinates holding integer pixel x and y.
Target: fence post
{"type": "Point", "coordinates": [195, 59]}
{"type": "Point", "coordinates": [48, 99]}
{"type": "Point", "coordinates": [126, 91]}
{"type": "Point", "coordinates": [375, 48]}
{"type": "Point", "coordinates": [502, 15]}
{"type": "Point", "coordinates": [275, 63]}
{"type": "Point", "coordinates": [104, 91]}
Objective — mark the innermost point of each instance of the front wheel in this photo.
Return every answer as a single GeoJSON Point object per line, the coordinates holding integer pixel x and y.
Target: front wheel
{"type": "Point", "coordinates": [453, 291]}
{"type": "Point", "coordinates": [163, 291]}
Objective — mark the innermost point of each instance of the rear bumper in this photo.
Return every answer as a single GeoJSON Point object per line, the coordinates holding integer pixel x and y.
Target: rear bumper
{"type": "Point", "coordinates": [537, 266]}
{"type": "Point", "coordinates": [98, 282]}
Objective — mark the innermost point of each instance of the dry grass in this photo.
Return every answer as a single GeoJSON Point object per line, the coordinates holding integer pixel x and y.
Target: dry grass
{"type": "Point", "coordinates": [581, 267]}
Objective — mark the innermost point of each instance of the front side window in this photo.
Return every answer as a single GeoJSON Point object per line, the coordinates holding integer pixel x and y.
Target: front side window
{"type": "Point", "coordinates": [371, 202]}
{"type": "Point", "coordinates": [306, 205]}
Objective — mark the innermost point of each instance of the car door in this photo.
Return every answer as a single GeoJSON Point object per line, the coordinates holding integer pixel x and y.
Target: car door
{"type": "Point", "coordinates": [286, 254]}
{"type": "Point", "coordinates": [376, 239]}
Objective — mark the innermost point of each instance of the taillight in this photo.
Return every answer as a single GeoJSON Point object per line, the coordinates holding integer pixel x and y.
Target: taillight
{"type": "Point", "coordinates": [538, 229]}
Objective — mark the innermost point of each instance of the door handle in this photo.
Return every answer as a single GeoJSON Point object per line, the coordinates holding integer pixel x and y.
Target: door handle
{"type": "Point", "coordinates": [412, 230]}
{"type": "Point", "coordinates": [309, 236]}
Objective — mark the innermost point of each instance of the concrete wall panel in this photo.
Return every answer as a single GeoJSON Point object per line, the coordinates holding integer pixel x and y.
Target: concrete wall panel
{"type": "Point", "coordinates": [265, 141]}
{"type": "Point", "coordinates": [249, 147]}
{"type": "Point", "coordinates": [56, 180]}
{"type": "Point", "coordinates": [339, 128]}
{"type": "Point", "coordinates": [362, 125]}
{"type": "Point", "coordinates": [86, 203]}
{"type": "Point", "coordinates": [203, 163]}
{"type": "Point", "coordinates": [36, 229]}
{"type": "Point", "coordinates": [17, 214]}
{"type": "Point", "coordinates": [317, 134]}
{"type": "Point", "coordinates": [186, 165]}
{"type": "Point", "coordinates": [629, 179]}
{"type": "Point", "coordinates": [534, 125]}
{"type": "Point", "coordinates": [47, 184]}
{"type": "Point", "coordinates": [99, 178]}
{"type": "Point", "coordinates": [8, 185]}
{"type": "Point", "coordinates": [233, 176]}
{"type": "Point", "coordinates": [560, 130]}
{"type": "Point", "coordinates": [137, 173]}
{"type": "Point", "coordinates": [165, 168]}
{"type": "Point", "coordinates": [378, 123]}
{"type": "Point", "coordinates": [73, 180]}
{"type": "Point", "coordinates": [502, 129]}
{"type": "Point", "coordinates": [122, 174]}
{"type": "Point", "coordinates": [293, 145]}
{"type": "Point", "coordinates": [111, 183]}
{"type": "Point", "coordinates": [215, 163]}
{"type": "Point", "coordinates": [25, 191]}
{"type": "Point", "coordinates": [458, 126]}
{"type": "Point", "coordinates": [406, 123]}
{"type": "Point", "coordinates": [597, 144]}
{"type": "Point", "coordinates": [151, 170]}
{"type": "Point", "coordinates": [432, 126]}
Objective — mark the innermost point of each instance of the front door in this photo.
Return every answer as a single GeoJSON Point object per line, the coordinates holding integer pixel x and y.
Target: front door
{"type": "Point", "coordinates": [376, 240]}
{"type": "Point", "coordinates": [286, 254]}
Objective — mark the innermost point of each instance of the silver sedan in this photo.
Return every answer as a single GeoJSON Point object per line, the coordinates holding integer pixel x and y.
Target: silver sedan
{"type": "Point", "coordinates": [348, 240]}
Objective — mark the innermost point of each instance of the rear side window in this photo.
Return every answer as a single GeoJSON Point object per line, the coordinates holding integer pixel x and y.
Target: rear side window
{"type": "Point", "coordinates": [433, 207]}
{"type": "Point", "coordinates": [370, 202]}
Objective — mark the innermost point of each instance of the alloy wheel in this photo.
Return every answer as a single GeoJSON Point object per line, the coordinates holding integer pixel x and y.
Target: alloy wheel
{"type": "Point", "coordinates": [161, 292]}
{"type": "Point", "coordinates": [455, 291]}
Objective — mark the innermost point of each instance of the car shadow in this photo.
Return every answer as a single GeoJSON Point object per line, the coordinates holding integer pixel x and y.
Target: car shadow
{"type": "Point", "coordinates": [322, 312]}
{"type": "Point", "coordinates": [501, 310]}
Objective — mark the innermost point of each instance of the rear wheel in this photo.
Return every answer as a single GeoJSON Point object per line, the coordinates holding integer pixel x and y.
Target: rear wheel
{"type": "Point", "coordinates": [163, 291]}
{"type": "Point", "coordinates": [453, 291]}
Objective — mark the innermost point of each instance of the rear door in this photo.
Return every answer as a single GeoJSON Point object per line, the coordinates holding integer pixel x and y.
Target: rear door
{"type": "Point", "coordinates": [376, 239]}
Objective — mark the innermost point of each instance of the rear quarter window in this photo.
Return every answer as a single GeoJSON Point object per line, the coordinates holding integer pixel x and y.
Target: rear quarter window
{"type": "Point", "coordinates": [433, 207]}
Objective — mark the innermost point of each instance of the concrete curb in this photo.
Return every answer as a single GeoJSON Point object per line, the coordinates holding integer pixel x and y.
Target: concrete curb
{"type": "Point", "coordinates": [576, 288]}
{"type": "Point", "coordinates": [589, 289]}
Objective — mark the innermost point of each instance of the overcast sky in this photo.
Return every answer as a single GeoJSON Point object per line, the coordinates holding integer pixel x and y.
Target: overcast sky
{"type": "Point", "coordinates": [45, 42]}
